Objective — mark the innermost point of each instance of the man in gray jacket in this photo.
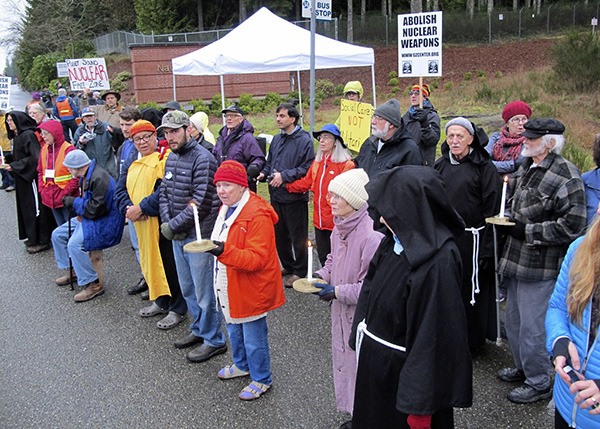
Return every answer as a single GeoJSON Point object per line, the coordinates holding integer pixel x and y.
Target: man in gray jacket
{"type": "Point", "coordinates": [188, 178]}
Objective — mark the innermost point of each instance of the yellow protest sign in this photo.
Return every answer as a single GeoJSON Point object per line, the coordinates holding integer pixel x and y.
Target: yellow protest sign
{"type": "Point", "coordinates": [355, 123]}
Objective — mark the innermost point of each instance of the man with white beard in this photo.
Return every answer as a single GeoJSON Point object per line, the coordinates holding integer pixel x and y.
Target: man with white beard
{"type": "Point", "coordinates": [390, 144]}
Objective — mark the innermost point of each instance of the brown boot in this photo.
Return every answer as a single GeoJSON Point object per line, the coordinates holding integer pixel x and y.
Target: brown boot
{"type": "Point", "coordinates": [65, 280]}
{"type": "Point", "coordinates": [91, 291]}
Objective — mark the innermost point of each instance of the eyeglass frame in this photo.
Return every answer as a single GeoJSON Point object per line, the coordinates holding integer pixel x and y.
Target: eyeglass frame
{"type": "Point", "coordinates": [143, 138]}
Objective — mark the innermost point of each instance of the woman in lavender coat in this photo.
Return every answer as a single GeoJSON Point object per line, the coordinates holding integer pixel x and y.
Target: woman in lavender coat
{"type": "Point", "coordinates": [353, 243]}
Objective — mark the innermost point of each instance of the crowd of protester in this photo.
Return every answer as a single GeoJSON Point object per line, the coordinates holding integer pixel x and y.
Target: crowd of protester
{"type": "Point", "coordinates": [405, 242]}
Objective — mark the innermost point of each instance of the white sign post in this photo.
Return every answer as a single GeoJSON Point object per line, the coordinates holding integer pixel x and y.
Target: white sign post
{"type": "Point", "coordinates": [88, 73]}
{"type": "Point", "coordinates": [420, 44]}
{"type": "Point", "coordinates": [5, 82]}
{"type": "Point", "coordinates": [322, 9]}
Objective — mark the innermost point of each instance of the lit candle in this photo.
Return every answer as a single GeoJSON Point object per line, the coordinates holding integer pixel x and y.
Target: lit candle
{"type": "Point", "coordinates": [310, 261]}
{"type": "Point", "coordinates": [197, 222]}
{"type": "Point", "coordinates": [503, 201]}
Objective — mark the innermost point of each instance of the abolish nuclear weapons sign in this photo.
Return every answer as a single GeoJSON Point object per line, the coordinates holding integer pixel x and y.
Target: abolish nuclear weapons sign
{"type": "Point", "coordinates": [420, 44]}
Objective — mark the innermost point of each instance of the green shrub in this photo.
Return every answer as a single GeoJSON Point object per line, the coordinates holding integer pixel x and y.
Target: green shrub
{"type": "Point", "coordinates": [199, 106]}
{"type": "Point", "coordinates": [393, 82]}
{"type": "Point", "coordinates": [576, 60]}
{"type": "Point", "coordinates": [249, 104]}
{"type": "Point", "coordinates": [448, 86]}
{"type": "Point", "coordinates": [481, 74]}
{"type": "Point", "coordinates": [543, 110]}
{"type": "Point", "coordinates": [271, 101]}
{"type": "Point", "coordinates": [215, 105]}
{"type": "Point", "coordinates": [149, 104]}
{"type": "Point", "coordinates": [487, 93]}
{"type": "Point", "coordinates": [393, 74]}
{"type": "Point", "coordinates": [42, 70]}
{"type": "Point", "coordinates": [578, 156]}
{"type": "Point", "coordinates": [339, 90]}
{"type": "Point", "coordinates": [118, 83]}
{"type": "Point", "coordinates": [326, 87]}
{"type": "Point", "coordinates": [468, 76]}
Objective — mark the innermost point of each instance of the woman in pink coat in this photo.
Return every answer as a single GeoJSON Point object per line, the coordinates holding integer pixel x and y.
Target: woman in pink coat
{"type": "Point", "coordinates": [353, 243]}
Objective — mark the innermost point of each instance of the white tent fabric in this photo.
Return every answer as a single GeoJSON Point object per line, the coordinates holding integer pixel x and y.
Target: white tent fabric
{"type": "Point", "coordinates": [266, 43]}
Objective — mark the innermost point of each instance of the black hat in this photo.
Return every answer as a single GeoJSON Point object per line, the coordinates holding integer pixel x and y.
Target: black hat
{"type": "Point", "coordinates": [171, 105]}
{"type": "Point", "coordinates": [115, 93]}
{"type": "Point", "coordinates": [540, 127]}
{"type": "Point", "coordinates": [233, 108]}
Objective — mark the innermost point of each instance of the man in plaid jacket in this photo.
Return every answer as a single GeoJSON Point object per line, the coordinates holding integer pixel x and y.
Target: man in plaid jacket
{"type": "Point", "coordinates": [547, 205]}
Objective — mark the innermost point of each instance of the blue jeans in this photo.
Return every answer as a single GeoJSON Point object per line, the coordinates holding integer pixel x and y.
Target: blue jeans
{"type": "Point", "coordinates": [61, 215]}
{"type": "Point", "coordinates": [250, 348]}
{"type": "Point", "coordinates": [195, 273]}
{"type": "Point", "coordinates": [7, 179]}
{"type": "Point", "coordinates": [73, 247]}
{"type": "Point", "coordinates": [134, 240]}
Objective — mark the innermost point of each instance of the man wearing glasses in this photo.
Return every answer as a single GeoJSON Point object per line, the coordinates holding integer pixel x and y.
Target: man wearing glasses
{"type": "Point", "coordinates": [95, 139]}
{"type": "Point", "coordinates": [390, 144]}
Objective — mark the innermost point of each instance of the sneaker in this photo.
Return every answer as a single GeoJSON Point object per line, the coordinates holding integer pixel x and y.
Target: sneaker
{"type": "Point", "coordinates": [527, 394]}
{"type": "Point", "coordinates": [91, 291]}
{"type": "Point", "coordinates": [511, 375]}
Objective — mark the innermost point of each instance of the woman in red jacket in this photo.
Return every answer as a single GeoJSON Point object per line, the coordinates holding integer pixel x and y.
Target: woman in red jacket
{"type": "Point", "coordinates": [332, 159]}
{"type": "Point", "coordinates": [54, 179]}
{"type": "Point", "coordinates": [248, 280]}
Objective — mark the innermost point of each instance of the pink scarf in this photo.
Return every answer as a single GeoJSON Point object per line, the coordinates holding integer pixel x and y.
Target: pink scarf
{"type": "Point", "coordinates": [508, 146]}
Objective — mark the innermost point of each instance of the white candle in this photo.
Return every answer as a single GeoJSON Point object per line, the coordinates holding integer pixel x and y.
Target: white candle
{"type": "Point", "coordinates": [310, 261]}
{"type": "Point", "coordinates": [503, 201]}
{"type": "Point", "coordinates": [197, 222]}
{"type": "Point", "coordinates": [1, 156]}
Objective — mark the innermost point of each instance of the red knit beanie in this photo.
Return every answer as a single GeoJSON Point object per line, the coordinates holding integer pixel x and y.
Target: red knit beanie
{"type": "Point", "coordinates": [233, 172]}
{"type": "Point", "coordinates": [515, 108]}
{"type": "Point", "coordinates": [141, 125]}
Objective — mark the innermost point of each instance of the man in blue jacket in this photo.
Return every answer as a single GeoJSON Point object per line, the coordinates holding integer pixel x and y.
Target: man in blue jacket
{"type": "Point", "coordinates": [98, 225]}
{"type": "Point", "coordinates": [189, 173]}
{"type": "Point", "coordinates": [290, 155]}
{"type": "Point", "coordinates": [67, 111]}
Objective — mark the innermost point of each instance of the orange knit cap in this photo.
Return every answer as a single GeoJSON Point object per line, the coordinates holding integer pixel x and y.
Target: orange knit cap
{"type": "Point", "coordinates": [141, 125]}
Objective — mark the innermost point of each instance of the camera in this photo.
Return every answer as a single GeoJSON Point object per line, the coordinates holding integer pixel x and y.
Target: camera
{"type": "Point", "coordinates": [87, 137]}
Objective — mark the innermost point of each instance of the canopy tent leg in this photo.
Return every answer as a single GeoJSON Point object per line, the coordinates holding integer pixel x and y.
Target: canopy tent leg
{"type": "Point", "coordinates": [174, 89]}
{"type": "Point", "coordinates": [222, 96]}
{"type": "Point", "coordinates": [300, 98]}
{"type": "Point", "coordinates": [373, 80]}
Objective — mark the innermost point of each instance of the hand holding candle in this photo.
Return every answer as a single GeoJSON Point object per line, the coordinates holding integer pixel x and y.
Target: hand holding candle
{"type": "Point", "coordinates": [309, 277]}
{"type": "Point", "coordinates": [503, 200]}
{"type": "Point", "coordinates": [196, 222]}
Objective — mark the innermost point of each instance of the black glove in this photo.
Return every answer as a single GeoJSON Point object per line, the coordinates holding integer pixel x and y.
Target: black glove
{"type": "Point", "coordinates": [166, 231]}
{"type": "Point", "coordinates": [68, 201]}
{"type": "Point", "coordinates": [218, 250]}
{"type": "Point", "coordinates": [253, 171]}
{"type": "Point", "coordinates": [421, 116]}
{"type": "Point", "coordinates": [327, 292]}
{"type": "Point", "coordinates": [517, 231]}
{"type": "Point", "coordinates": [561, 348]}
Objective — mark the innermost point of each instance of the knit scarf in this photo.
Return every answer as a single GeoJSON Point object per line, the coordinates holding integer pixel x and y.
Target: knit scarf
{"type": "Point", "coordinates": [413, 109]}
{"type": "Point", "coordinates": [508, 146]}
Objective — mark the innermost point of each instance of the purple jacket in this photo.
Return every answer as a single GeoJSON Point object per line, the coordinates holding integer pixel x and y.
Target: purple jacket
{"type": "Point", "coordinates": [353, 244]}
{"type": "Point", "coordinates": [240, 146]}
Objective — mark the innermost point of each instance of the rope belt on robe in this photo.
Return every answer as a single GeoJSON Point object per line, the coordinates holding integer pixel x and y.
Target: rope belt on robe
{"type": "Point", "coordinates": [475, 262]}
{"type": "Point", "coordinates": [361, 331]}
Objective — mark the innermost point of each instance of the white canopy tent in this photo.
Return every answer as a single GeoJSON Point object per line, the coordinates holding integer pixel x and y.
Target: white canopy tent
{"type": "Point", "coordinates": [266, 43]}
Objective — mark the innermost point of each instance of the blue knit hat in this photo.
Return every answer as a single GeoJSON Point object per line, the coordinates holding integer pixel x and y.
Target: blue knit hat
{"type": "Point", "coordinates": [76, 159]}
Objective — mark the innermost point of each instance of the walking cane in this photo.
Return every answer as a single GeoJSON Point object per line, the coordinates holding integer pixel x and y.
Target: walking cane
{"type": "Point", "coordinates": [70, 261]}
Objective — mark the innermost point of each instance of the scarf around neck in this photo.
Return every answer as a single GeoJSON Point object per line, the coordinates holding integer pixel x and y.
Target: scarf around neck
{"type": "Point", "coordinates": [508, 146]}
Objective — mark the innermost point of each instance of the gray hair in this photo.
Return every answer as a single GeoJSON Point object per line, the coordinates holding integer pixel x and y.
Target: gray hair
{"type": "Point", "coordinates": [62, 91]}
{"type": "Point", "coordinates": [559, 142]}
{"type": "Point", "coordinates": [38, 107]}
{"type": "Point", "coordinates": [338, 154]}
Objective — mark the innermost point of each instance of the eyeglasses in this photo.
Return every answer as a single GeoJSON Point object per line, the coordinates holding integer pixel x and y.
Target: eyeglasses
{"type": "Point", "coordinates": [332, 197]}
{"type": "Point", "coordinates": [142, 138]}
{"type": "Point", "coordinates": [326, 137]}
{"type": "Point", "coordinates": [415, 92]}
{"type": "Point", "coordinates": [232, 115]}
{"type": "Point", "coordinates": [516, 120]}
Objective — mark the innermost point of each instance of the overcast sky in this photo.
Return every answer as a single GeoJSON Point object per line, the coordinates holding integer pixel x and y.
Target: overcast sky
{"type": "Point", "coordinates": [7, 12]}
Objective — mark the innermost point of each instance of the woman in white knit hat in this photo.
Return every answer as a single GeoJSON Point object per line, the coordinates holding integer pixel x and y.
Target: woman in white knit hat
{"type": "Point", "coordinates": [353, 243]}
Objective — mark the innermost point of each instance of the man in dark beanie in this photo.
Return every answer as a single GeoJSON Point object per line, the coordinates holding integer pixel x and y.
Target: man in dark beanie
{"type": "Point", "coordinates": [390, 144]}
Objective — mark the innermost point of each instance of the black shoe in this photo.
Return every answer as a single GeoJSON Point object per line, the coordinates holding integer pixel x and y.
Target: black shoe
{"type": "Point", "coordinates": [511, 375]}
{"type": "Point", "coordinates": [188, 341]}
{"type": "Point", "coordinates": [32, 250]}
{"type": "Point", "coordinates": [138, 288]}
{"type": "Point", "coordinates": [526, 394]}
{"type": "Point", "coordinates": [346, 425]}
{"type": "Point", "coordinates": [145, 295]}
{"type": "Point", "coordinates": [204, 352]}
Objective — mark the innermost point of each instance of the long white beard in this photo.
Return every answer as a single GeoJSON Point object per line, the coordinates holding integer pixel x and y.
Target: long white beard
{"type": "Point", "coordinates": [381, 133]}
{"type": "Point", "coordinates": [533, 152]}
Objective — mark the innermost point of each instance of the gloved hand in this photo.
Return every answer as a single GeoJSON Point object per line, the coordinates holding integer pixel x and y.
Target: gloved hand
{"type": "Point", "coordinates": [179, 236]}
{"type": "Point", "coordinates": [327, 292]}
{"type": "Point", "coordinates": [166, 231]}
{"type": "Point", "coordinates": [67, 201]}
{"type": "Point", "coordinates": [419, 421]}
{"type": "Point", "coordinates": [421, 116]}
{"type": "Point", "coordinates": [253, 171]}
{"type": "Point", "coordinates": [517, 231]}
{"type": "Point", "coordinates": [218, 250]}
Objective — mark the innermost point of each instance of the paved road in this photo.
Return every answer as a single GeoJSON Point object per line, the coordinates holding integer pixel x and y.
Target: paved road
{"type": "Point", "coordinates": [99, 365]}
{"type": "Point", "coordinates": [18, 97]}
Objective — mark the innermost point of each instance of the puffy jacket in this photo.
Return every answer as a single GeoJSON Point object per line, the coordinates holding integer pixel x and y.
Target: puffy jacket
{"type": "Point", "coordinates": [100, 148]}
{"type": "Point", "coordinates": [319, 175]}
{"type": "Point", "coordinates": [401, 149]}
{"type": "Point", "coordinates": [591, 182]}
{"type": "Point", "coordinates": [101, 221]}
{"type": "Point", "coordinates": [291, 155]}
{"type": "Point", "coordinates": [189, 174]}
{"type": "Point", "coordinates": [558, 324]}
{"type": "Point", "coordinates": [240, 146]}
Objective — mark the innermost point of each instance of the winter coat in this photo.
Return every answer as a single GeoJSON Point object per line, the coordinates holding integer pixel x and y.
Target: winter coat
{"type": "Point", "coordinates": [253, 284]}
{"type": "Point", "coordinates": [107, 115]}
{"type": "Point", "coordinates": [353, 243]}
{"type": "Point", "coordinates": [317, 180]}
{"type": "Point", "coordinates": [100, 148]}
{"type": "Point", "coordinates": [426, 134]}
{"type": "Point", "coordinates": [240, 145]}
{"type": "Point", "coordinates": [550, 200]}
{"type": "Point", "coordinates": [51, 192]}
{"type": "Point", "coordinates": [291, 155]}
{"type": "Point", "coordinates": [591, 182]}
{"type": "Point", "coordinates": [400, 149]}
{"type": "Point", "coordinates": [189, 174]}
{"type": "Point", "coordinates": [72, 105]}
{"type": "Point", "coordinates": [558, 324]}
{"type": "Point", "coordinates": [503, 167]}
{"type": "Point", "coordinates": [101, 221]}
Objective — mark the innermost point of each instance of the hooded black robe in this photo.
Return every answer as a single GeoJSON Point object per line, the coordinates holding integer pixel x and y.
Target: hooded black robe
{"type": "Point", "coordinates": [412, 300]}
